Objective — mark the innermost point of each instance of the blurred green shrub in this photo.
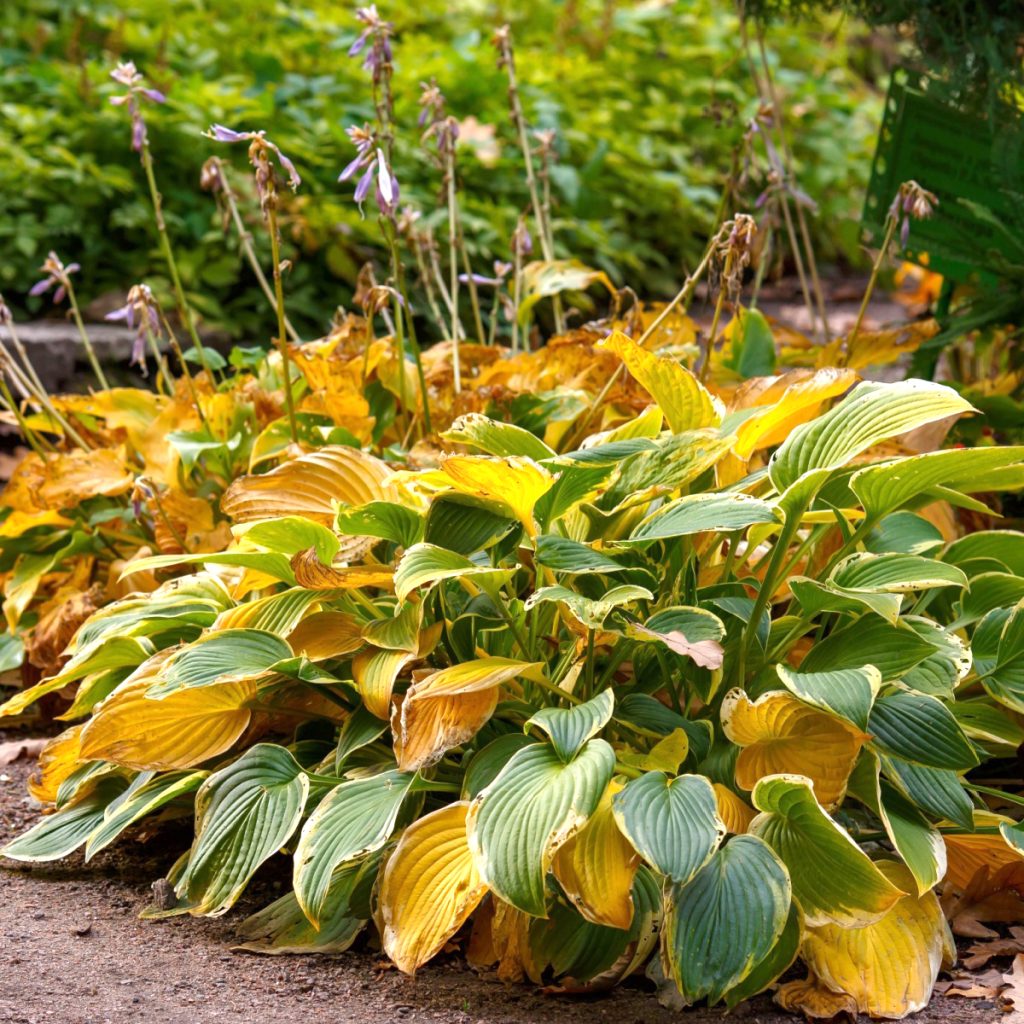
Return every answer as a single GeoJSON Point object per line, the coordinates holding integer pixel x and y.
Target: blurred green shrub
{"type": "Point", "coordinates": [649, 100]}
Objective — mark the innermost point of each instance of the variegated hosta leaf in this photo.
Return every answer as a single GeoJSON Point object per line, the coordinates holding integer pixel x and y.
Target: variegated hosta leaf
{"type": "Point", "coordinates": [848, 693]}
{"type": "Point", "coordinates": [324, 635]}
{"type": "Point", "coordinates": [888, 968]}
{"type": "Point", "coordinates": [672, 823]}
{"type": "Point", "coordinates": [514, 481]}
{"type": "Point", "coordinates": [535, 804]}
{"type": "Point", "coordinates": [448, 707]}
{"type": "Point", "coordinates": [834, 881]}
{"type": "Point", "coordinates": [283, 928]}
{"type": "Point", "coordinates": [698, 513]}
{"type": "Point", "coordinates": [597, 865]}
{"type": "Point", "coordinates": [723, 922]}
{"type": "Point", "coordinates": [872, 412]}
{"type": "Point", "coordinates": [496, 438]}
{"type": "Point", "coordinates": [781, 735]}
{"type": "Point", "coordinates": [895, 573]}
{"type": "Point", "coordinates": [228, 656]}
{"type": "Point", "coordinates": [313, 574]}
{"type": "Point", "coordinates": [590, 612]}
{"type": "Point", "coordinates": [686, 403]}
{"type": "Point", "coordinates": [1003, 674]}
{"type": "Point", "coordinates": [423, 565]}
{"type": "Point", "coordinates": [63, 832]}
{"type": "Point", "coordinates": [244, 814]}
{"type": "Point", "coordinates": [428, 888]}
{"type": "Point", "coordinates": [354, 819]}
{"type": "Point", "coordinates": [184, 729]}
{"type": "Point", "coordinates": [569, 728]}
{"type": "Point", "coordinates": [922, 729]}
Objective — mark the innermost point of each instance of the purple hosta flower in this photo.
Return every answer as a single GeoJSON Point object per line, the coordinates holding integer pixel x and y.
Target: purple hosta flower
{"type": "Point", "coordinates": [432, 102]}
{"type": "Point", "coordinates": [260, 150]}
{"type": "Point", "coordinates": [522, 243]}
{"type": "Point", "coordinates": [387, 186]}
{"type": "Point", "coordinates": [56, 274]}
{"type": "Point", "coordinates": [912, 201]}
{"type": "Point", "coordinates": [127, 75]}
{"type": "Point", "coordinates": [501, 271]}
{"type": "Point", "coordinates": [376, 33]}
{"type": "Point", "coordinates": [363, 139]}
{"type": "Point", "coordinates": [142, 313]}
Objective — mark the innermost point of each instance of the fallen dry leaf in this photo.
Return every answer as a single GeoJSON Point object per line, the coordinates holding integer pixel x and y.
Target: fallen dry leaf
{"type": "Point", "coordinates": [14, 750]}
{"type": "Point", "coordinates": [988, 897]}
{"type": "Point", "coordinates": [982, 952]}
{"type": "Point", "coordinates": [1013, 994]}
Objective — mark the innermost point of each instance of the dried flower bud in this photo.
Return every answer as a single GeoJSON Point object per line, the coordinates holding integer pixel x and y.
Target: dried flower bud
{"type": "Point", "coordinates": [261, 149]}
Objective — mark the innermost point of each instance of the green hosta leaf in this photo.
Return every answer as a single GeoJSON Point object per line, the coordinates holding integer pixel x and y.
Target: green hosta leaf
{"type": "Point", "coordinates": [101, 656]}
{"type": "Point", "coordinates": [361, 728]}
{"type": "Point", "coordinates": [1004, 680]}
{"type": "Point", "coordinates": [986, 722]}
{"type": "Point", "coordinates": [904, 533]}
{"type": "Point", "coordinates": [775, 964]}
{"type": "Point", "coordinates": [244, 814]}
{"type": "Point", "coordinates": [231, 655]}
{"type": "Point", "coordinates": [385, 519]}
{"type": "Point", "coordinates": [815, 597]}
{"type": "Point", "coordinates": [543, 278]}
{"type": "Point", "coordinates": [922, 729]}
{"type": "Point", "coordinates": [610, 453]}
{"type": "Point", "coordinates": [891, 485]}
{"type": "Point", "coordinates": [399, 633]}
{"type": "Point", "coordinates": [289, 535]}
{"type": "Point", "coordinates": [989, 591]}
{"type": "Point", "coordinates": [910, 833]}
{"type": "Point", "coordinates": [496, 438]}
{"type": "Point", "coordinates": [894, 649]}
{"type": "Point", "coordinates": [283, 928]}
{"type": "Point", "coordinates": [533, 805]}
{"type": "Point", "coordinates": [270, 562]}
{"type": "Point", "coordinates": [591, 613]}
{"type": "Point", "coordinates": [12, 652]}
{"type": "Point", "coordinates": [642, 711]}
{"type": "Point", "coordinates": [848, 693]}
{"type": "Point", "coordinates": [423, 565]}
{"type": "Point", "coordinates": [61, 833]}
{"type": "Point", "coordinates": [569, 728]}
{"type": "Point", "coordinates": [1005, 546]}
{"type": "Point", "coordinates": [673, 824]}
{"type": "Point", "coordinates": [488, 762]}
{"type": "Point", "coordinates": [935, 790]}
{"type": "Point", "coordinates": [147, 793]}
{"type": "Point", "coordinates": [895, 574]}
{"type": "Point", "coordinates": [461, 524]}
{"type": "Point", "coordinates": [722, 923]}
{"type": "Point", "coordinates": [354, 819]}
{"type": "Point", "coordinates": [753, 346]}
{"type": "Point", "coordinates": [565, 555]}
{"type": "Point", "coordinates": [870, 413]}
{"type": "Point", "coordinates": [834, 881]}
{"type": "Point", "coordinates": [697, 513]}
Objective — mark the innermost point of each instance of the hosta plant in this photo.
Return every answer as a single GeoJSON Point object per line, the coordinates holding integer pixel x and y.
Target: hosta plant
{"type": "Point", "coordinates": [680, 687]}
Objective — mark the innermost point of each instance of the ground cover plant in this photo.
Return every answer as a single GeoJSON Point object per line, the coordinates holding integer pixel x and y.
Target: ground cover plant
{"type": "Point", "coordinates": [635, 648]}
{"type": "Point", "coordinates": [634, 197]}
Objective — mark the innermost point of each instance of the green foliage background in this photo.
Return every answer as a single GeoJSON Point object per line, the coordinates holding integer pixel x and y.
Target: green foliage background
{"type": "Point", "coordinates": [648, 98]}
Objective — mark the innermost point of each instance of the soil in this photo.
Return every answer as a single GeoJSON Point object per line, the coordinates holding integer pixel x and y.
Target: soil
{"type": "Point", "coordinates": [73, 951]}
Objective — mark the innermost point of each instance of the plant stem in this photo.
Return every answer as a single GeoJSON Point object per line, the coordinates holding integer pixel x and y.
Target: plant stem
{"type": "Point", "coordinates": [245, 239]}
{"type": "Point", "coordinates": [76, 313]}
{"type": "Point", "coordinates": [890, 229]}
{"type": "Point", "coordinates": [474, 294]}
{"type": "Point", "coordinates": [282, 330]}
{"type": "Point", "coordinates": [172, 339]}
{"type": "Point", "coordinates": [453, 267]}
{"type": "Point", "coordinates": [713, 332]}
{"type": "Point", "coordinates": [161, 363]}
{"type": "Point", "coordinates": [165, 243]}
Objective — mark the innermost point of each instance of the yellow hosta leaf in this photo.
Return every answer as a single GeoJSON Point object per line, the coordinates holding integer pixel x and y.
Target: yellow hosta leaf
{"type": "Point", "coordinates": [799, 402]}
{"type": "Point", "coordinates": [811, 998]}
{"type": "Point", "coordinates": [326, 635]}
{"type": "Point", "coordinates": [515, 481]}
{"type": "Point", "coordinates": [967, 854]}
{"type": "Point", "coordinates": [736, 813]}
{"type": "Point", "coordinates": [57, 760]}
{"type": "Point", "coordinates": [312, 574]}
{"type": "Point", "coordinates": [887, 968]}
{"type": "Point", "coordinates": [375, 671]}
{"type": "Point", "coordinates": [686, 403]}
{"type": "Point", "coordinates": [181, 730]}
{"type": "Point", "coordinates": [448, 707]}
{"type": "Point", "coordinates": [781, 735]}
{"type": "Point", "coordinates": [66, 479]}
{"type": "Point", "coordinates": [878, 348]}
{"type": "Point", "coordinates": [18, 522]}
{"type": "Point", "coordinates": [429, 887]}
{"type": "Point", "coordinates": [184, 523]}
{"type": "Point", "coordinates": [312, 486]}
{"type": "Point", "coordinates": [596, 867]}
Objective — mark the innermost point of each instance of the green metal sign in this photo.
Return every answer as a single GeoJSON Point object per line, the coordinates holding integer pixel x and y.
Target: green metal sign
{"type": "Point", "coordinates": [958, 156]}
